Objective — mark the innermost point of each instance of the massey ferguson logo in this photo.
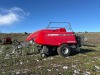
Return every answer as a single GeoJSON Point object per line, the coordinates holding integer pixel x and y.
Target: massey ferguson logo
{"type": "Point", "coordinates": [53, 34]}
{"type": "Point", "coordinates": [59, 34]}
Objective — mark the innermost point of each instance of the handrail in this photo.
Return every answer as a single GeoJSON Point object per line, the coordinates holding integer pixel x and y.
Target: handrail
{"type": "Point", "coordinates": [68, 25]}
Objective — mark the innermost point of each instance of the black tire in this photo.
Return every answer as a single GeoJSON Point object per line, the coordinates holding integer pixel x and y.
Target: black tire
{"type": "Point", "coordinates": [64, 50]}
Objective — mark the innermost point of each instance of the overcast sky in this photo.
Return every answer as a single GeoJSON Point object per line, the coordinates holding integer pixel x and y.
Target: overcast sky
{"type": "Point", "coordinates": [32, 15]}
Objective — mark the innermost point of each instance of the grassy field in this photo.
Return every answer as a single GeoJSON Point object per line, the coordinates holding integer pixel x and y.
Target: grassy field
{"type": "Point", "coordinates": [85, 62]}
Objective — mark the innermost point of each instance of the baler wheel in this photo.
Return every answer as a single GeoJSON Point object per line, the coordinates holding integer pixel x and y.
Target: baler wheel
{"type": "Point", "coordinates": [64, 50]}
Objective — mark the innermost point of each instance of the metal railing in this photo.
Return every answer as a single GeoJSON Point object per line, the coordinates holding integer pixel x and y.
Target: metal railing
{"type": "Point", "coordinates": [68, 26]}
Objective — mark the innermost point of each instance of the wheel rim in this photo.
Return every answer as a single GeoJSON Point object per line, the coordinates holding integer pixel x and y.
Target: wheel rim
{"type": "Point", "coordinates": [65, 50]}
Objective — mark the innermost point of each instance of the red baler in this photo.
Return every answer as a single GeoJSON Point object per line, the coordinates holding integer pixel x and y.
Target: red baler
{"type": "Point", "coordinates": [58, 39]}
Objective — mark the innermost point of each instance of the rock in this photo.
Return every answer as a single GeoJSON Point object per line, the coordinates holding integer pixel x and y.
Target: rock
{"type": "Point", "coordinates": [49, 70]}
{"type": "Point", "coordinates": [74, 66]}
{"type": "Point", "coordinates": [97, 67]}
{"type": "Point", "coordinates": [65, 67]}
{"type": "Point", "coordinates": [76, 71]}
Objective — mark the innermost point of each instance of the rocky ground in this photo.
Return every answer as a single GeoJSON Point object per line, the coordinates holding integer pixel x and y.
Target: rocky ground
{"type": "Point", "coordinates": [85, 62]}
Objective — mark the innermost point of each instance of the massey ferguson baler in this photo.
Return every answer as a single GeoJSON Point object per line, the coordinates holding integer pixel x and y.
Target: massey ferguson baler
{"type": "Point", "coordinates": [55, 39]}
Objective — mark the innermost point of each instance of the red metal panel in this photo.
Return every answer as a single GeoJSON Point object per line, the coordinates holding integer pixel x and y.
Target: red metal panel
{"type": "Point", "coordinates": [59, 38]}
{"type": "Point", "coordinates": [52, 37]}
{"type": "Point", "coordinates": [32, 36]}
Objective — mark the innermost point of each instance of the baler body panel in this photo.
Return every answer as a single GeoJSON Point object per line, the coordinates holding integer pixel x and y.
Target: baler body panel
{"type": "Point", "coordinates": [54, 37]}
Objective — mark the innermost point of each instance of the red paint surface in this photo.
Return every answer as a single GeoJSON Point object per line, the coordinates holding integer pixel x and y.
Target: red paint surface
{"type": "Point", "coordinates": [54, 37]}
